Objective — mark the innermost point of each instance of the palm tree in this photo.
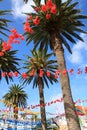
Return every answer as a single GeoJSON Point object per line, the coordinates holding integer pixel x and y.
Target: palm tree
{"type": "Point", "coordinates": [55, 24]}
{"type": "Point", "coordinates": [16, 97]}
{"type": "Point", "coordinates": [8, 63]}
{"type": "Point", "coordinates": [40, 70]}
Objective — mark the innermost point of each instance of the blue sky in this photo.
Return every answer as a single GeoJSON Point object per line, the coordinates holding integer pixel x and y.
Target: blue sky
{"type": "Point", "coordinates": [78, 59]}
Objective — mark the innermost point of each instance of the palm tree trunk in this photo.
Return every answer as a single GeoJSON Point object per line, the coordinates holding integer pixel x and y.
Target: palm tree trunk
{"type": "Point", "coordinates": [15, 112]}
{"type": "Point", "coordinates": [15, 116]}
{"type": "Point", "coordinates": [42, 106]}
{"type": "Point", "coordinates": [71, 117]}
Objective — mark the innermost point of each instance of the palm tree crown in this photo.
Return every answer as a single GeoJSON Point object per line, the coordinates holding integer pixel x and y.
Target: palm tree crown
{"type": "Point", "coordinates": [16, 95]}
{"type": "Point", "coordinates": [54, 17]}
{"type": "Point", "coordinates": [39, 66]}
{"type": "Point", "coordinates": [8, 63]}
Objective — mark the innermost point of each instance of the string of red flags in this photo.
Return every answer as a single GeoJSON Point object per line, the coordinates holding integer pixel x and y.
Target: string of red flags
{"type": "Point", "coordinates": [72, 71]}
{"type": "Point", "coordinates": [77, 102]}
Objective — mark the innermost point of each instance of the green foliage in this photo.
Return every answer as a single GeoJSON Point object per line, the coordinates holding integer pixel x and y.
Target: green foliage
{"type": "Point", "coordinates": [4, 22]}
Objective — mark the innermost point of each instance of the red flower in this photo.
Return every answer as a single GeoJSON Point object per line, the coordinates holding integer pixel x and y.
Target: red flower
{"type": "Point", "coordinates": [48, 16]}
{"type": "Point", "coordinates": [36, 21]}
{"type": "Point", "coordinates": [21, 37]}
{"type": "Point", "coordinates": [44, 8]}
{"type": "Point", "coordinates": [26, 28]}
{"type": "Point", "coordinates": [27, 23]}
{"type": "Point", "coordinates": [9, 47]}
{"type": "Point", "coordinates": [30, 30]}
{"type": "Point", "coordinates": [53, 9]}
{"type": "Point", "coordinates": [49, 3]}
{"type": "Point", "coordinates": [16, 35]}
{"type": "Point", "coordinates": [30, 17]}
{"type": "Point", "coordinates": [6, 47]}
{"type": "Point", "coordinates": [14, 31]}
{"type": "Point", "coordinates": [10, 41]}
{"type": "Point", "coordinates": [37, 9]}
{"type": "Point", "coordinates": [11, 37]}
{"type": "Point", "coordinates": [4, 44]}
{"type": "Point", "coordinates": [1, 53]}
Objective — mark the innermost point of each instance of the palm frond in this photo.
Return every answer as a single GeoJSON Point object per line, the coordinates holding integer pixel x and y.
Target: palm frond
{"type": "Point", "coordinates": [39, 60]}
{"type": "Point", "coordinates": [15, 95]}
{"type": "Point", "coordinates": [9, 63]}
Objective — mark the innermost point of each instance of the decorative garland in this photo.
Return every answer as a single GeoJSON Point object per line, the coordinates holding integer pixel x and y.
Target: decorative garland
{"type": "Point", "coordinates": [41, 73]}
{"type": "Point", "coordinates": [46, 104]}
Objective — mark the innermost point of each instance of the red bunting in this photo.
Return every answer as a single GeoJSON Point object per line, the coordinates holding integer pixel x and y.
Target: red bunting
{"type": "Point", "coordinates": [48, 73]}
{"type": "Point", "coordinates": [79, 71]}
{"type": "Point", "coordinates": [86, 70]}
{"type": "Point", "coordinates": [16, 74]}
{"type": "Point", "coordinates": [64, 72]}
{"type": "Point", "coordinates": [41, 73]}
{"type": "Point", "coordinates": [71, 71]}
{"type": "Point", "coordinates": [45, 104]}
{"type": "Point", "coordinates": [24, 75]}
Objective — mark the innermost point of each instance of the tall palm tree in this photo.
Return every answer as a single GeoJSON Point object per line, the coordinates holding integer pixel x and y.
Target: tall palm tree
{"type": "Point", "coordinates": [55, 24]}
{"type": "Point", "coordinates": [15, 97]}
{"type": "Point", "coordinates": [40, 70]}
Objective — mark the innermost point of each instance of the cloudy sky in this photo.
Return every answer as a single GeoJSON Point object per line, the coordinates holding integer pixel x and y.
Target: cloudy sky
{"type": "Point", "coordinates": [78, 59]}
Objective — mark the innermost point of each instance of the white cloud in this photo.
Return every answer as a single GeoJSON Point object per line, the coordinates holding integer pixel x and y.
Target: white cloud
{"type": "Point", "coordinates": [19, 8]}
{"type": "Point", "coordinates": [79, 51]}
